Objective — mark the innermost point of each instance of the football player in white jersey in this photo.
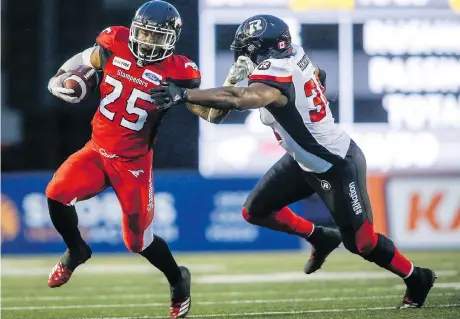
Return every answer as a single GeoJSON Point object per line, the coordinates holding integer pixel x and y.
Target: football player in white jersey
{"type": "Point", "coordinates": [320, 157]}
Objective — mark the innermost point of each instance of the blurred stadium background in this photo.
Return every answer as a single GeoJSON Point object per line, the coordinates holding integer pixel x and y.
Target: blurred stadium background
{"type": "Point", "coordinates": [393, 81]}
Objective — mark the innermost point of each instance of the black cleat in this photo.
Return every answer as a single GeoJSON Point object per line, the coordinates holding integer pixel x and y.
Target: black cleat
{"type": "Point", "coordinates": [418, 286]}
{"type": "Point", "coordinates": [63, 270]}
{"type": "Point", "coordinates": [323, 241]}
{"type": "Point", "coordinates": [181, 301]}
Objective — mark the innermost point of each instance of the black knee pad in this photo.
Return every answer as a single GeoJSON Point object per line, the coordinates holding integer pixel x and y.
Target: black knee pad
{"type": "Point", "coordinates": [255, 209]}
{"type": "Point", "coordinates": [383, 253]}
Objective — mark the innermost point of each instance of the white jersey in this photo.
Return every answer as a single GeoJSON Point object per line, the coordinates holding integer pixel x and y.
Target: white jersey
{"type": "Point", "coordinates": [305, 127]}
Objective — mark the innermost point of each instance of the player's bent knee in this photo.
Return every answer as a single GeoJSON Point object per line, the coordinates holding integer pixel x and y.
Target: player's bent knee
{"type": "Point", "coordinates": [137, 243]}
{"type": "Point", "coordinates": [56, 190]}
{"type": "Point", "coordinates": [51, 190]}
{"type": "Point", "coordinates": [254, 209]}
{"type": "Point", "coordinates": [246, 215]}
{"type": "Point", "coordinates": [134, 246]}
{"type": "Point", "coordinates": [250, 217]}
{"type": "Point", "coordinates": [366, 238]}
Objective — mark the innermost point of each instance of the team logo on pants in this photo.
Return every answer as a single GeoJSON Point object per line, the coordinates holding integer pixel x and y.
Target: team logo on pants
{"type": "Point", "coordinates": [150, 204]}
{"type": "Point", "coordinates": [325, 185]}
{"type": "Point", "coordinates": [136, 173]}
{"type": "Point", "coordinates": [354, 199]}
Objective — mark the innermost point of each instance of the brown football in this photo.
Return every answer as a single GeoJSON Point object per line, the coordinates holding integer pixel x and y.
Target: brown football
{"type": "Point", "coordinates": [83, 80]}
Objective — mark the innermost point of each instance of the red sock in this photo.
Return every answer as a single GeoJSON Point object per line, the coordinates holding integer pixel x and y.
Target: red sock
{"type": "Point", "coordinates": [285, 221]}
{"type": "Point", "coordinates": [400, 265]}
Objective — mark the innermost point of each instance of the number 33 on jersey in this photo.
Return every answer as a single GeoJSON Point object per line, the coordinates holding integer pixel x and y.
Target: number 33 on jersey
{"type": "Point", "coordinates": [304, 127]}
{"type": "Point", "coordinates": [127, 120]}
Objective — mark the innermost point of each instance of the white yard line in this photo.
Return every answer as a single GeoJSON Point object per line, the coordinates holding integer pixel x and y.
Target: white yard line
{"type": "Point", "coordinates": [210, 303]}
{"type": "Point", "coordinates": [196, 294]}
{"type": "Point", "coordinates": [13, 271]}
{"type": "Point", "coordinates": [298, 277]}
{"type": "Point", "coordinates": [276, 313]}
{"type": "Point", "coordinates": [229, 279]}
{"type": "Point", "coordinates": [454, 285]}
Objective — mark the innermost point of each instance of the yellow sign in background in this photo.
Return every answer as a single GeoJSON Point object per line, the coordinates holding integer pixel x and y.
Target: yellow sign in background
{"type": "Point", "coordinates": [455, 4]}
{"type": "Point", "coordinates": [323, 4]}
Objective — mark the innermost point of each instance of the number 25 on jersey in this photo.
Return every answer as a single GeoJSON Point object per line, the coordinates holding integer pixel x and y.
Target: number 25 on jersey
{"type": "Point", "coordinates": [130, 104]}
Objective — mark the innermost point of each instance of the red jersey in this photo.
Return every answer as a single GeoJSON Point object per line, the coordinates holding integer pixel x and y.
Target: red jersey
{"type": "Point", "coordinates": [127, 121]}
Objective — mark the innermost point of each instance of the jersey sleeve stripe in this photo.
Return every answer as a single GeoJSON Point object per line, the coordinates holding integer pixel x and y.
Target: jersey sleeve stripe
{"type": "Point", "coordinates": [282, 79]}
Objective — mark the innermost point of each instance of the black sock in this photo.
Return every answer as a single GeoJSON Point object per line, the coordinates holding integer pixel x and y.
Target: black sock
{"type": "Point", "coordinates": [65, 220]}
{"type": "Point", "coordinates": [159, 255]}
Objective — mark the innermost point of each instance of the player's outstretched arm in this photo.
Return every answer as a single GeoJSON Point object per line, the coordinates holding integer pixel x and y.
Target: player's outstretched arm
{"type": "Point", "coordinates": [211, 115]}
{"type": "Point", "coordinates": [239, 71]}
{"type": "Point", "coordinates": [255, 96]}
{"type": "Point", "coordinates": [208, 114]}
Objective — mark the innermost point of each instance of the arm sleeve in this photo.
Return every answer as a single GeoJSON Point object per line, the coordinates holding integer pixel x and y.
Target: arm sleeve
{"type": "Point", "coordinates": [73, 62]}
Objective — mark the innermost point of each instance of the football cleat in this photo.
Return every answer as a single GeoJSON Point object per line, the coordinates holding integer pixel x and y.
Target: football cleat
{"type": "Point", "coordinates": [323, 241]}
{"type": "Point", "coordinates": [418, 286]}
{"type": "Point", "coordinates": [181, 301]}
{"type": "Point", "coordinates": [63, 270]}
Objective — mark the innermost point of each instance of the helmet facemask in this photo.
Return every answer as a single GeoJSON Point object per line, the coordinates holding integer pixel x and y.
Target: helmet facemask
{"type": "Point", "coordinates": [248, 50]}
{"type": "Point", "coordinates": [151, 43]}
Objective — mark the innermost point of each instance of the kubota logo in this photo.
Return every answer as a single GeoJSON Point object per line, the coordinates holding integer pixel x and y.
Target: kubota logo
{"type": "Point", "coordinates": [424, 212]}
{"type": "Point", "coordinates": [429, 210]}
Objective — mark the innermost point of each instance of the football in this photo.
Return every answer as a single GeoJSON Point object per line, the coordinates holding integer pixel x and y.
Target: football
{"type": "Point", "coordinates": [83, 80]}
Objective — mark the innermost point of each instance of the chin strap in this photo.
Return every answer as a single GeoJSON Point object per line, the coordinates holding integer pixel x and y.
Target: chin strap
{"type": "Point", "coordinates": [275, 54]}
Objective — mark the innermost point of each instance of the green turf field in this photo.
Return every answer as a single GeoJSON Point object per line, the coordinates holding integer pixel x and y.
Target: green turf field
{"type": "Point", "coordinates": [255, 285]}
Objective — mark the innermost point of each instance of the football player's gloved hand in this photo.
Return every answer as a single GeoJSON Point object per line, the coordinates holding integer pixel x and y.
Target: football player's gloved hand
{"type": "Point", "coordinates": [167, 95]}
{"type": "Point", "coordinates": [322, 77]}
{"type": "Point", "coordinates": [55, 86]}
{"type": "Point", "coordinates": [240, 70]}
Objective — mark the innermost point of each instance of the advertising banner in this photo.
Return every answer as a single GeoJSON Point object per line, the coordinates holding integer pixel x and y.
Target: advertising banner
{"type": "Point", "coordinates": [191, 214]}
{"type": "Point", "coordinates": [424, 212]}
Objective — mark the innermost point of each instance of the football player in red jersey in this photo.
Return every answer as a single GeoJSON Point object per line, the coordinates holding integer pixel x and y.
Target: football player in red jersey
{"type": "Point", "coordinates": [119, 154]}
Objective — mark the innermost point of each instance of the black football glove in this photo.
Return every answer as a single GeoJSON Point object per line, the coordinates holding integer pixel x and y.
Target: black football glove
{"type": "Point", "coordinates": [167, 95]}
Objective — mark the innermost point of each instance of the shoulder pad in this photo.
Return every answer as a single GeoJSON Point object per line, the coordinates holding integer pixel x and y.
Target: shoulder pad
{"type": "Point", "coordinates": [183, 69]}
{"type": "Point", "coordinates": [111, 35]}
{"type": "Point", "coordinates": [279, 70]}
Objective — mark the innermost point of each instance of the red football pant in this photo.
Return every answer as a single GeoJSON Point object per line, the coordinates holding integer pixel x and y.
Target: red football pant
{"type": "Point", "coordinates": [90, 170]}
